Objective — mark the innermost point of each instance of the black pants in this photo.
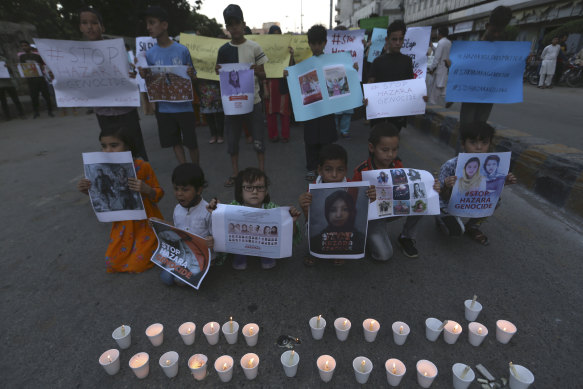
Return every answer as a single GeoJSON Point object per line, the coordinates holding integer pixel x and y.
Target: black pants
{"type": "Point", "coordinates": [12, 93]}
{"type": "Point", "coordinates": [38, 85]}
{"type": "Point", "coordinates": [131, 121]}
{"type": "Point", "coordinates": [216, 122]}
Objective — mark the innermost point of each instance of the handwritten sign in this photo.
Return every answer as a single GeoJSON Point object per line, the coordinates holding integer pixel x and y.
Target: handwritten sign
{"type": "Point", "coordinates": [377, 42]}
{"type": "Point", "coordinates": [4, 73]}
{"type": "Point", "coordinates": [397, 98]}
{"type": "Point", "coordinates": [276, 48]}
{"type": "Point", "coordinates": [347, 41]}
{"type": "Point", "coordinates": [143, 44]}
{"type": "Point", "coordinates": [486, 72]}
{"type": "Point", "coordinates": [203, 51]}
{"type": "Point", "coordinates": [90, 73]}
{"type": "Point", "coordinates": [415, 46]}
{"type": "Point", "coordinates": [301, 48]}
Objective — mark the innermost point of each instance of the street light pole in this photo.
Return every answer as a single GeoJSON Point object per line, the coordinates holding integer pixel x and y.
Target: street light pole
{"type": "Point", "coordinates": [331, 1]}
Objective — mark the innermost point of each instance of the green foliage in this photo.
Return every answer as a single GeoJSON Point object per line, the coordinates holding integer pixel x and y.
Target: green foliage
{"type": "Point", "coordinates": [511, 32]}
{"type": "Point", "coordinates": [204, 26]}
{"type": "Point", "coordinates": [43, 14]}
{"type": "Point", "coordinates": [574, 27]}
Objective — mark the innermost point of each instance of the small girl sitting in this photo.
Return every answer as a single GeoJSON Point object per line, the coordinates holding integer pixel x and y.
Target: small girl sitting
{"type": "Point", "coordinates": [251, 187]}
{"type": "Point", "coordinates": [132, 242]}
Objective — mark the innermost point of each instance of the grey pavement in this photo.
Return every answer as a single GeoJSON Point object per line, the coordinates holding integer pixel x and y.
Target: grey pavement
{"type": "Point", "coordinates": [59, 306]}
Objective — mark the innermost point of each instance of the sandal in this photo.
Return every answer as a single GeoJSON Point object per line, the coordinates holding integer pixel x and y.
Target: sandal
{"type": "Point", "coordinates": [478, 236]}
{"type": "Point", "coordinates": [230, 181]}
{"type": "Point", "coordinates": [309, 261]}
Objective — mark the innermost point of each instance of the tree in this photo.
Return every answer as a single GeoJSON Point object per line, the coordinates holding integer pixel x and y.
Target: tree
{"type": "Point", "coordinates": [45, 15]}
{"type": "Point", "coordinates": [202, 25]}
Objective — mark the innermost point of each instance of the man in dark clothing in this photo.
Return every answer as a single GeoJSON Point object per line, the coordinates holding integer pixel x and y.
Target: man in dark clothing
{"type": "Point", "coordinates": [36, 85]}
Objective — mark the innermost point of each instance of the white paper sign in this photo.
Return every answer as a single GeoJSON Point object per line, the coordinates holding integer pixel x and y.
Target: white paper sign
{"type": "Point", "coordinates": [402, 192]}
{"type": "Point", "coordinates": [110, 195]}
{"type": "Point", "coordinates": [143, 43]}
{"type": "Point", "coordinates": [253, 231]}
{"type": "Point", "coordinates": [396, 98]}
{"type": "Point", "coordinates": [90, 73]}
{"type": "Point", "coordinates": [347, 40]}
{"type": "Point", "coordinates": [415, 46]}
{"type": "Point", "coordinates": [237, 88]}
{"type": "Point", "coordinates": [4, 70]}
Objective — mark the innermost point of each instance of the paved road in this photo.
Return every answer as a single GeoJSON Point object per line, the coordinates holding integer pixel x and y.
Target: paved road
{"type": "Point", "coordinates": [59, 306]}
{"type": "Point", "coordinates": [555, 114]}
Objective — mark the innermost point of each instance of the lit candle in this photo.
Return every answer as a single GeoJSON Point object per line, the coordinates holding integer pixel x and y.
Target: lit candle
{"type": "Point", "coordinates": [251, 334]}
{"type": "Point", "coordinates": [187, 332]}
{"type": "Point", "coordinates": [290, 362]}
{"type": "Point", "coordinates": [451, 332]}
{"type": "Point", "coordinates": [155, 333]}
{"type": "Point", "coordinates": [250, 331]}
{"type": "Point", "coordinates": [198, 366]}
{"type": "Point", "coordinates": [110, 361]}
{"type": "Point", "coordinates": [401, 330]}
{"type": "Point", "coordinates": [371, 325]}
{"type": "Point", "coordinates": [344, 324]}
{"type": "Point", "coordinates": [371, 329]}
{"type": "Point", "coordinates": [250, 363]}
{"type": "Point", "coordinates": [426, 373]}
{"type": "Point", "coordinates": [291, 357]}
{"type": "Point", "coordinates": [505, 330]}
{"type": "Point", "coordinates": [122, 335]}
{"type": "Point", "coordinates": [231, 324]}
{"type": "Point", "coordinates": [168, 362]}
{"type": "Point", "coordinates": [224, 367]}
{"type": "Point", "coordinates": [394, 368]}
{"type": "Point", "coordinates": [231, 331]}
{"type": "Point", "coordinates": [211, 333]}
{"type": "Point", "coordinates": [317, 326]}
{"type": "Point", "coordinates": [395, 371]}
{"type": "Point", "coordinates": [109, 358]}
{"type": "Point", "coordinates": [480, 330]}
{"type": "Point", "coordinates": [455, 328]}
{"type": "Point", "coordinates": [477, 333]}
{"type": "Point", "coordinates": [362, 365]}
{"type": "Point", "coordinates": [362, 368]}
{"type": "Point", "coordinates": [195, 364]}
{"type": "Point", "coordinates": [326, 367]}
{"type": "Point", "coordinates": [212, 328]}
{"type": "Point", "coordinates": [139, 364]}
{"type": "Point", "coordinates": [318, 321]}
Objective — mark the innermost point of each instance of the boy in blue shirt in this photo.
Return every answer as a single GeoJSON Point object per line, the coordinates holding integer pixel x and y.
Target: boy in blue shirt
{"type": "Point", "coordinates": [175, 120]}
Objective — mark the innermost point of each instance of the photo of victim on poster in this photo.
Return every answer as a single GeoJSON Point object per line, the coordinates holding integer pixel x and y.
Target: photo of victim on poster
{"type": "Point", "coordinates": [184, 255]}
{"type": "Point", "coordinates": [168, 83]}
{"type": "Point", "coordinates": [338, 218]}
{"type": "Point", "coordinates": [237, 83]}
{"type": "Point", "coordinates": [110, 195]}
{"type": "Point", "coordinates": [310, 87]}
{"type": "Point", "coordinates": [336, 81]}
{"type": "Point", "coordinates": [479, 183]}
{"type": "Point", "coordinates": [402, 192]}
{"type": "Point", "coordinates": [253, 231]}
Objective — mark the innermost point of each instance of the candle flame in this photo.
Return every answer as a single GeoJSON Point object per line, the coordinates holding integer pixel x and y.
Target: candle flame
{"type": "Point", "coordinates": [362, 365]}
{"type": "Point", "coordinates": [225, 366]}
{"type": "Point", "coordinates": [371, 326]}
{"type": "Point", "coordinates": [250, 331]}
{"type": "Point", "coordinates": [212, 328]}
{"type": "Point", "coordinates": [196, 364]}
{"type": "Point", "coordinates": [394, 368]}
{"type": "Point", "coordinates": [109, 358]}
{"type": "Point", "coordinates": [168, 362]}
{"type": "Point", "coordinates": [425, 374]}
{"type": "Point", "coordinates": [344, 324]}
{"type": "Point", "coordinates": [326, 367]}
{"type": "Point", "coordinates": [231, 324]}
{"type": "Point", "coordinates": [480, 330]}
{"type": "Point", "coordinates": [401, 330]}
{"type": "Point", "coordinates": [455, 328]}
{"type": "Point", "coordinates": [188, 330]}
{"type": "Point", "coordinates": [291, 357]}
{"type": "Point", "coordinates": [504, 329]}
{"type": "Point", "coordinates": [250, 363]}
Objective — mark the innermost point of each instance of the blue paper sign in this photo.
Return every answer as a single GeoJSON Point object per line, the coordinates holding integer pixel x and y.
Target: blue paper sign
{"type": "Point", "coordinates": [486, 72]}
{"type": "Point", "coordinates": [377, 42]}
{"type": "Point", "coordinates": [323, 85]}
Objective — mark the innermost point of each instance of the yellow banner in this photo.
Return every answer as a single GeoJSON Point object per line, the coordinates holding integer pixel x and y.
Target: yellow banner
{"type": "Point", "coordinates": [276, 49]}
{"type": "Point", "coordinates": [301, 48]}
{"type": "Point", "coordinates": [204, 53]}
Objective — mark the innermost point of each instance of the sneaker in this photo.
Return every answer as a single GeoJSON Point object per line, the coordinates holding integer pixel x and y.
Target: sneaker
{"type": "Point", "coordinates": [267, 263]}
{"type": "Point", "coordinates": [240, 262]}
{"type": "Point", "coordinates": [454, 225]}
{"type": "Point", "coordinates": [408, 247]}
{"type": "Point", "coordinates": [311, 176]}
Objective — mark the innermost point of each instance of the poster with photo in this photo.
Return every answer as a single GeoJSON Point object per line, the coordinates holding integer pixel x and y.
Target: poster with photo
{"type": "Point", "coordinates": [310, 87]}
{"type": "Point", "coordinates": [110, 195]}
{"type": "Point", "coordinates": [338, 220]}
{"type": "Point", "coordinates": [253, 231]}
{"type": "Point", "coordinates": [336, 81]}
{"type": "Point", "coordinates": [184, 255]}
{"type": "Point", "coordinates": [237, 82]}
{"type": "Point", "coordinates": [168, 83]}
{"type": "Point", "coordinates": [480, 180]}
{"type": "Point", "coordinates": [402, 192]}
{"type": "Point", "coordinates": [29, 70]}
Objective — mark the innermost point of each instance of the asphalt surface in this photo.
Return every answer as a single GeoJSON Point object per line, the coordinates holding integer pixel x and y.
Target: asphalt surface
{"type": "Point", "coordinates": [59, 306]}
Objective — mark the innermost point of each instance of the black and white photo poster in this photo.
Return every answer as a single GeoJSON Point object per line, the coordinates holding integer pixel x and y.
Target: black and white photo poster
{"type": "Point", "coordinates": [338, 220]}
{"type": "Point", "coordinates": [110, 195]}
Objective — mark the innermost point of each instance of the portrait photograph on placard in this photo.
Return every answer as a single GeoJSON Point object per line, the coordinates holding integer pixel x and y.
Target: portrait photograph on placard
{"type": "Point", "coordinates": [336, 81]}
{"type": "Point", "coordinates": [338, 220]}
{"type": "Point", "coordinates": [168, 83]}
{"type": "Point", "coordinates": [310, 87]}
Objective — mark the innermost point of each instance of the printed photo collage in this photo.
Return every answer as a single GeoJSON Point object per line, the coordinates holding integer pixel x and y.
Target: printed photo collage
{"type": "Point", "coordinates": [401, 192]}
{"type": "Point", "coordinates": [261, 234]}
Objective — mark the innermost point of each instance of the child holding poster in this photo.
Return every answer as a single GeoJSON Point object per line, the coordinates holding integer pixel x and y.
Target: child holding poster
{"type": "Point", "coordinates": [383, 146]}
{"type": "Point", "coordinates": [475, 138]}
{"type": "Point", "coordinates": [241, 50]}
{"type": "Point", "coordinates": [132, 243]}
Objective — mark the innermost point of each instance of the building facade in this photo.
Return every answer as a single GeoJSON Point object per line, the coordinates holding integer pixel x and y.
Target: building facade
{"type": "Point", "coordinates": [349, 12]}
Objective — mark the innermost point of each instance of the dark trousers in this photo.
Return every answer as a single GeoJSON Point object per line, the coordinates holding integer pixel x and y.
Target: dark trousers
{"type": "Point", "coordinates": [312, 155]}
{"type": "Point", "coordinates": [216, 122]}
{"type": "Point", "coordinates": [38, 85]}
{"type": "Point", "coordinates": [131, 121]}
{"type": "Point", "coordinates": [12, 93]}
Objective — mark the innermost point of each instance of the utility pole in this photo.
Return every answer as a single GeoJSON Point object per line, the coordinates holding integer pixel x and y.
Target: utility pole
{"type": "Point", "coordinates": [331, 1]}
{"type": "Point", "coordinates": [301, 16]}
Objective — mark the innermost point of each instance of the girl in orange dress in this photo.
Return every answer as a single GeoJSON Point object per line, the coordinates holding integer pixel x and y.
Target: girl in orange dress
{"type": "Point", "coordinates": [131, 242]}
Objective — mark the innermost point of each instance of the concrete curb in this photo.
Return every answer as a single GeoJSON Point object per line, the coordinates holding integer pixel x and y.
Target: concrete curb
{"type": "Point", "coordinates": [551, 170]}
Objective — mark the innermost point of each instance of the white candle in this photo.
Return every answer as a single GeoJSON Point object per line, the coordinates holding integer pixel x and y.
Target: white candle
{"type": "Point", "coordinates": [362, 367]}
{"type": "Point", "coordinates": [505, 330]}
{"type": "Point", "coordinates": [395, 371]}
{"type": "Point", "coordinates": [342, 327]}
{"type": "Point", "coordinates": [198, 366]}
{"type": "Point", "coordinates": [371, 328]}
{"type": "Point", "coordinates": [155, 333]}
{"type": "Point", "coordinates": [426, 373]}
{"type": "Point", "coordinates": [224, 368]}
{"type": "Point", "coordinates": [290, 361]}
{"type": "Point", "coordinates": [433, 329]}
{"type": "Point", "coordinates": [122, 335]}
{"type": "Point", "coordinates": [477, 332]}
{"type": "Point", "coordinates": [317, 326]}
{"type": "Point", "coordinates": [250, 365]}
{"type": "Point", "coordinates": [187, 331]}
{"type": "Point", "coordinates": [110, 361]}
{"type": "Point", "coordinates": [400, 332]}
{"type": "Point", "coordinates": [251, 334]}
{"type": "Point", "coordinates": [169, 363]}
{"type": "Point", "coordinates": [326, 365]}
{"type": "Point", "coordinates": [520, 377]}
{"type": "Point", "coordinates": [472, 309]}
{"type": "Point", "coordinates": [211, 332]}
{"type": "Point", "coordinates": [451, 332]}
{"type": "Point", "coordinates": [463, 376]}
{"type": "Point", "coordinates": [139, 363]}
{"type": "Point", "coordinates": [231, 331]}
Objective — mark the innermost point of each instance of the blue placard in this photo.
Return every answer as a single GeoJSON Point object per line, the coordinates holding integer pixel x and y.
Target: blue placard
{"type": "Point", "coordinates": [323, 85]}
{"type": "Point", "coordinates": [377, 42]}
{"type": "Point", "coordinates": [486, 72]}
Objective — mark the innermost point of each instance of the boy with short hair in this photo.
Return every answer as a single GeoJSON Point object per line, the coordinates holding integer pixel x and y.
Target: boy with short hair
{"type": "Point", "coordinates": [475, 138]}
{"type": "Point", "coordinates": [241, 50]}
{"type": "Point", "coordinates": [176, 121]}
{"type": "Point", "coordinates": [92, 28]}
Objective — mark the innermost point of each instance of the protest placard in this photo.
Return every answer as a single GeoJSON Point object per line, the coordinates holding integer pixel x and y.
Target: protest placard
{"type": "Point", "coordinates": [486, 72]}
{"type": "Point", "coordinates": [203, 51]}
{"type": "Point", "coordinates": [4, 73]}
{"type": "Point", "coordinates": [396, 98]}
{"type": "Point", "coordinates": [90, 73]}
{"type": "Point", "coordinates": [323, 85]}
{"type": "Point", "coordinates": [110, 195]}
{"type": "Point", "coordinates": [415, 45]}
{"type": "Point", "coordinates": [143, 44]}
{"type": "Point", "coordinates": [337, 220]}
{"type": "Point", "coordinates": [377, 42]}
{"type": "Point", "coordinates": [480, 180]}
{"type": "Point", "coordinates": [168, 83]}
{"type": "Point", "coordinates": [347, 41]}
{"type": "Point", "coordinates": [184, 255]}
{"type": "Point", "coordinates": [301, 48]}
{"type": "Point", "coordinates": [402, 192]}
{"type": "Point", "coordinates": [29, 70]}
{"type": "Point", "coordinates": [253, 231]}
{"type": "Point", "coordinates": [276, 49]}
{"type": "Point", "coordinates": [237, 88]}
